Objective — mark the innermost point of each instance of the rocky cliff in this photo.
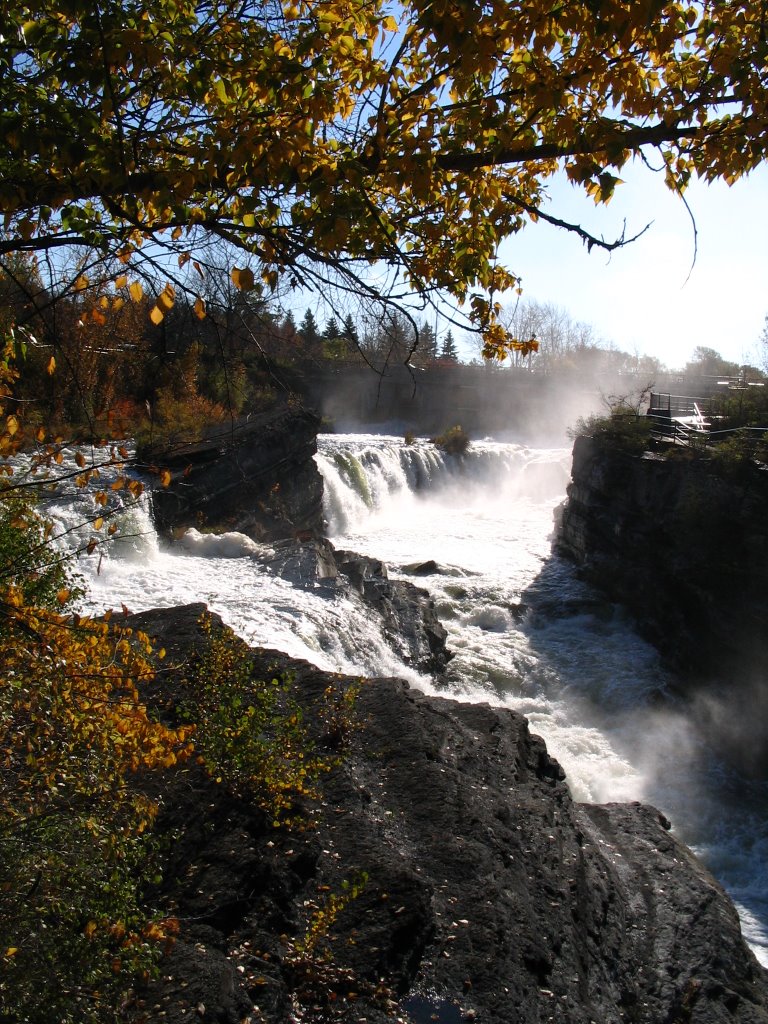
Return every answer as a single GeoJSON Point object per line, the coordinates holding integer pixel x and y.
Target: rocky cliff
{"type": "Point", "coordinates": [258, 478]}
{"type": "Point", "coordinates": [485, 892]}
{"type": "Point", "coordinates": [682, 542]}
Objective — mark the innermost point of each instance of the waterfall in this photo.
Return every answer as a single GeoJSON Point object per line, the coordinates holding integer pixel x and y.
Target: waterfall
{"type": "Point", "coordinates": [475, 530]}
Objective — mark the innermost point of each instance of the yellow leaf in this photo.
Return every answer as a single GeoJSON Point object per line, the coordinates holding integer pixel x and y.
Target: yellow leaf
{"type": "Point", "coordinates": [12, 425]}
{"type": "Point", "coordinates": [167, 297]}
{"type": "Point", "coordinates": [242, 279]}
{"type": "Point", "coordinates": [63, 595]}
{"type": "Point", "coordinates": [81, 283]}
{"type": "Point", "coordinates": [12, 951]}
{"type": "Point", "coordinates": [98, 523]}
{"type": "Point", "coordinates": [121, 281]}
{"type": "Point", "coordinates": [200, 311]}
{"type": "Point", "coordinates": [156, 315]}
{"type": "Point", "coordinates": [51, 365]}
{"type": "Point", "coordinates": [165, 478]}
{"type": "Point", "coordinates": [137, 292]}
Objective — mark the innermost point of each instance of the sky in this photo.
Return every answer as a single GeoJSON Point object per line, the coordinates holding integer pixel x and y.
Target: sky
{"type": "Point", "coordinates": [646, 297]}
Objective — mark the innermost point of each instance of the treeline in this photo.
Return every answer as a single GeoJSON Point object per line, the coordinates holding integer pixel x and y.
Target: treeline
{"type": "Point", "coordinates": [115, 355]}
{"type": "Point", "coordinates": [100, 360]}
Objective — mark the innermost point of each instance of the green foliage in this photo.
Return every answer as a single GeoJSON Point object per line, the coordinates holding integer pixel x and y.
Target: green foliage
{"type": "Point", "coordinates": [324, 913]}
{"type": "Point", "coordinates": [622, 429]}
{"type": "Point", "coordinates": [732, 455]}
{"type": "Point", "coordinates": [410, 136]}
{"type": "Point", "coordinates": [317, 981]}
{"type": "Point", "coordinates": [28, 562]}
{"type": "Point", "coordinates": [746, 407]}
{"type": "Point", "coordinates": [74, 931]}
{"type": "Point", "coordinates": [74, 850]}
{"type": "Point", "coordinates": [250, 733]}
{"type": "Point", "coordinates": [454, 441]}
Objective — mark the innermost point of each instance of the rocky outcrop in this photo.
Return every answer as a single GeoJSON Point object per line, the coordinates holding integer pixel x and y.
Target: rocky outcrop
{"type": "Point", "coordinates": [683, 545]}
{"type": "Point", "coordinates": [485, 893]}
{"type": "Point", "coordinates": [408, 620]}
{"type": "Point", "coordinates": [259, 478]}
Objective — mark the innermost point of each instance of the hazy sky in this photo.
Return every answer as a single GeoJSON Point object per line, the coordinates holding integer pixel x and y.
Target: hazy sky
{"type": "Point", "coordinates": [641, 297]}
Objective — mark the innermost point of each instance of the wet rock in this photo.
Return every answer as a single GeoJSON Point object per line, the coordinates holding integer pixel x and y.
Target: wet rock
{"type": "Point", "coordinates": [409, 620]}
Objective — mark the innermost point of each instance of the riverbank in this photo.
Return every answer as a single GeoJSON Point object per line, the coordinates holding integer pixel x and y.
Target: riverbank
{"type": "Point", "coordinates": [480, 890]}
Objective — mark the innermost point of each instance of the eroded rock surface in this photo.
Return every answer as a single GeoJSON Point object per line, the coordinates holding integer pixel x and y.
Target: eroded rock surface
{"type": "Point", "coordinates": [489, 895]}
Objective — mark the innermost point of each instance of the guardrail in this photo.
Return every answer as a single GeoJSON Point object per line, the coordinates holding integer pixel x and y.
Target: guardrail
{"type": "Point", "coordinates": [668, 430]}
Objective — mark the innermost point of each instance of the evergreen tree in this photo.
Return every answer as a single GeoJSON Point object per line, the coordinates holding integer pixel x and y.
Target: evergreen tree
{"type": "Point", "coordinates": [449, 351]}
{"type": "Point", "coordinates": [331, 330]}
{"type": "Point", "coordinates": [289, 324]}
{"type": "Point", "coordinates": [349, 331]}
{"type": "Point", "coordinates": [427, 350]}
{"type": "Point", "coordinates": [309, 330]}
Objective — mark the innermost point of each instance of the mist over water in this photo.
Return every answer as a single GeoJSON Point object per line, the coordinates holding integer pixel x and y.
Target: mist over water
{"type": "Point", "coordinates": [525, 632]}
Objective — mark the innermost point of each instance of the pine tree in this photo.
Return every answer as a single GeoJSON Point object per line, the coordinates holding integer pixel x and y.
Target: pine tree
{"type": "Point", "coordinates": [309, 331]}
{"type": "Point", "coordinates": [427, 350]}
{"type": "Point", "coordinates": [449, 351]}
{"type": "Point", "coordinates": [289, 323]}
{"type": "Point", "coordinates": [331, 330]}
{"type": "Point", "coordinates": [349, 331]}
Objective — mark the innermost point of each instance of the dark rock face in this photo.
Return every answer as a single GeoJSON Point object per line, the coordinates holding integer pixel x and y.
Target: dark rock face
{"type": "Point", "coordinates": [409, 622]}
{"type": "Point", "coordinates": [489, 896]}
{"type": "Point", "coordinates": [686, 551]}
{"type": "Point", "coordinates": [682, 547]}
{"type": "Point", "coordinates": [259, 479]}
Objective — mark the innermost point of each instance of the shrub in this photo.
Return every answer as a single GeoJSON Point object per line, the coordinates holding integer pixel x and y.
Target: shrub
{"type": "Point", "coordinates": [250, 733]}
{"type": "Point", "coordinates": [454, 441]}
{"type": "Point", "coordinates": [622, 428]}
{"type": "Point", "coordinates": [75, 853]}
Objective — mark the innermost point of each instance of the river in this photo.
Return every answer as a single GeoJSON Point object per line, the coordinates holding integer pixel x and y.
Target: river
{"type": "Point", "coordinates": [525, 632]}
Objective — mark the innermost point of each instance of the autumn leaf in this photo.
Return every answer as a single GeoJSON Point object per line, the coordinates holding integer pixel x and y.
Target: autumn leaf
{"type": "Point", "coordinates": [243, 279]}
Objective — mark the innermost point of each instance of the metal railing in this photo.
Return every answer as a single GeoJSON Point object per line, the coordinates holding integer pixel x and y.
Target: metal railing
{"type": "Point", "coordinates": [677, 432]}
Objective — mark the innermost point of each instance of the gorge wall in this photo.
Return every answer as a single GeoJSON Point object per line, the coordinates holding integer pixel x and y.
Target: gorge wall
{"type": "Point", "coordinates": [683, 544]}
{"type": "Point", "coordinates": [488, 895]}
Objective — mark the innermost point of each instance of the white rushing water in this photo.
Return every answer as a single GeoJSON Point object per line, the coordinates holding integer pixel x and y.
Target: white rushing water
{"type": "Point", "coordinates": [526, 633]}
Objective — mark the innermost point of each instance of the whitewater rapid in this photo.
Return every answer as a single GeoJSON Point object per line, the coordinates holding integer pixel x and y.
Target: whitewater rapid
{"type": "Point", "coordinates": [525, 632]}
